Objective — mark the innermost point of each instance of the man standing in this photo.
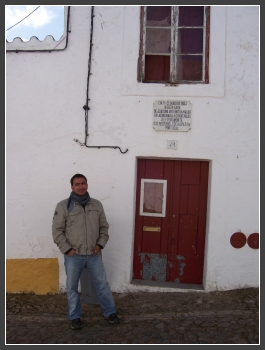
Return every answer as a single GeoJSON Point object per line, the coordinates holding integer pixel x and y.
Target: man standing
{"type": "Point", "coordinates": [80, 230]}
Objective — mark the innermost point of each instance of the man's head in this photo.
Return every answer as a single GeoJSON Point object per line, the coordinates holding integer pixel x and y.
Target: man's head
{"type": "Point", "coordinates": [79, 184]}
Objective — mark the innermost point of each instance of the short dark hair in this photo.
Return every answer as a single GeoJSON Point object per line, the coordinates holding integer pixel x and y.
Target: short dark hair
{"type": "Point", "coordinates": [75, 176]}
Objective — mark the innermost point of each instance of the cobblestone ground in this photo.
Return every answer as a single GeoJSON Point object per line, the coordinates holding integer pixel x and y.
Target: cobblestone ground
{"type": "Point", "coordinates": [228, 317]}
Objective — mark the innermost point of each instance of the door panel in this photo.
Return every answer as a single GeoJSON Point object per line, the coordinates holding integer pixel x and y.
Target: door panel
{"type": "Point", "coordinates": [187, 241]}
{"type": "Point", "coordinates": [193, 200]}
{"type": "Point", "coordinates": [151, 242]}
{"type": "Point", "coordinates": [190, 173]}
{"type": "Point", "coordinates": [170, 248]}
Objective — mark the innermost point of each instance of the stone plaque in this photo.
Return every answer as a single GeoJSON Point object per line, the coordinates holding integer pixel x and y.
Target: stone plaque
{"type": "Point", "coordinates": [172, 115]}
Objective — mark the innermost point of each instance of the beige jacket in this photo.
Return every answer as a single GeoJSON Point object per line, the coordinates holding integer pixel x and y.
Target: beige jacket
{"type": "Point", "coordinates": [80, 229]}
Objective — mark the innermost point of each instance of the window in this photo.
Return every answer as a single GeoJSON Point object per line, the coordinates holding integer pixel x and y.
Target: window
{"type": "Point", "coordinates": [153, 197]}
{"type": "Point", "coordinates": [174, 44]}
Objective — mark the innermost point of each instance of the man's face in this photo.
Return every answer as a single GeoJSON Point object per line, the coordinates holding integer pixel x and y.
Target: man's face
{"type": "Point", "coordinates": [79, 186]}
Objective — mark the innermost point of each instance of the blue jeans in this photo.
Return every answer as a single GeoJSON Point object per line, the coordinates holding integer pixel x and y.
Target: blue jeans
{"type": "Point", "coordinates": [74, 266]}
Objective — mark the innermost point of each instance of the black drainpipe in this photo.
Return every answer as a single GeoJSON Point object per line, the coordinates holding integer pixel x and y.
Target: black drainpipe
{"type": "Point", "coordinates": [85, 107]}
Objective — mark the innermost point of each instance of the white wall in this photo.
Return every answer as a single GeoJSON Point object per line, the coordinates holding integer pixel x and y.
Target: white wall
{"type": "Point", "coordinates": [45, 95]}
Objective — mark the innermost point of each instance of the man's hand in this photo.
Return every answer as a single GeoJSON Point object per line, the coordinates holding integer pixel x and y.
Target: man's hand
{"type": "Point", "coordinates": [72, 252]}
{"type": "Point", "coordinates": [96, 250]}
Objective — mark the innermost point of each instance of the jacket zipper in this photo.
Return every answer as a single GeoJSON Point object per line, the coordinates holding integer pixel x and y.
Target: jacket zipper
{"type": "Point", "coordinates": [86, 230]}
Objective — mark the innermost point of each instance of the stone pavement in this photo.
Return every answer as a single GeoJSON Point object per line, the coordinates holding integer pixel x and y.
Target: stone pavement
{"type": "Point", "coordinates": [181, 317]}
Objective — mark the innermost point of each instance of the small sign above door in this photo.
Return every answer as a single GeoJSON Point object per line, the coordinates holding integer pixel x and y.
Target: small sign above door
{"type": "Point", "coordinates": [172, 115]}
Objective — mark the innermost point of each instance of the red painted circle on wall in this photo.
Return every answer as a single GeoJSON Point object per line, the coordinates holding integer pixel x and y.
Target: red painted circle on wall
{"type": "Point", "coordinates": [238, 240]}
{"type": "Point", "coordinates": [253, 240]}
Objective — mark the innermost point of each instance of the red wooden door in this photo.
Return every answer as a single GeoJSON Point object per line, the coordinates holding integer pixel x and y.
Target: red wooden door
{"type": "Point", "coordinates": [170, 220]}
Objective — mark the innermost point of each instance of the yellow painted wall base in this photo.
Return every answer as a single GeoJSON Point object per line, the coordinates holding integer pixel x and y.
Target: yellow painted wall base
{"type": "Point", "coordinates": [39, 276]}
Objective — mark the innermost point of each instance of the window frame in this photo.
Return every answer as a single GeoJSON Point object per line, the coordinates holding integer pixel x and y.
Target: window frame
{"type": "Point", "coordinates": [173, 54]}
{"type": "Point", "coordinates": [164, 198]}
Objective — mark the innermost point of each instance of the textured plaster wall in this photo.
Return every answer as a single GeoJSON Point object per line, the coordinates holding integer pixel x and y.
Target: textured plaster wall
{"type": "Point", "coordinates": [39, 276]}
{"type": "Point", "coordinates": [45, 95]}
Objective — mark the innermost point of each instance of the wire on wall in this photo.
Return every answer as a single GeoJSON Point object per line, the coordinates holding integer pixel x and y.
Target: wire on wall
{"type": "Point", "coordinates": [23, 19]}
{"type": "Point", "coordinates": [86, 107]}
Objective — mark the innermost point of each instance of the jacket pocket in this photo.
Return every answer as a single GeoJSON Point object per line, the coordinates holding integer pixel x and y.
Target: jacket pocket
{"type": "Point", "coordinates": [75, 228]}
{"type": "Point", "coordinates": [93, 218]}
{"type": "Point", "coordinates": [73, 218]}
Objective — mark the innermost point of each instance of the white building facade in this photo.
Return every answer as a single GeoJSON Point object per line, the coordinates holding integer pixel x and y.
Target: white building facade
{"type": "Point", "coordinates": [215, 155]}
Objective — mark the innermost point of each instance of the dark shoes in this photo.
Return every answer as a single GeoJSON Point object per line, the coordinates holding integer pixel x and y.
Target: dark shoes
{"type": "Point", "coordinates": [113, 318]}
{"type": "Point", "coordinates": [76, 323]}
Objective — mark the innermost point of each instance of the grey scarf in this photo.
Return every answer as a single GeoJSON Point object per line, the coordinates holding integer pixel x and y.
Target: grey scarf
{"type": "Point", "coordinates": [82, 200]}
